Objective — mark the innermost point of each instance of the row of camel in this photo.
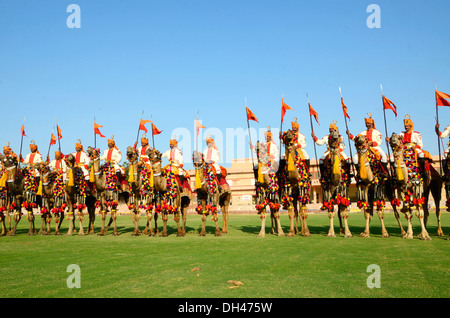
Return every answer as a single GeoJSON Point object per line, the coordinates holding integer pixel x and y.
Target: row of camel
{"type": "Point", "coordinates": [400, 184]}
{"type": "Point", "coordinates": [156, 189]}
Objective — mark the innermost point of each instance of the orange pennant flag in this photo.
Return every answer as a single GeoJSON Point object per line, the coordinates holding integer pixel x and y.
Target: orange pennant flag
{"type": "Point", "coordinates": [344, 108]}
{"type": "Point", "coordinates": [155, 131]}
{"type": "Point", "coordinates": [22, 129]}
{"type": "Point", "coordinates": [142, 124]}
{"type": "Point", "coordinates": [198, 125]}
{"type": "Point", "coordinates": [441, 99]}
{"type": "Point", "coordinates": [312, 112]}
{"type": "Point", "coordinates": [250, 115]}
{"type": "Point", "coordinates": [97, 130]}
{"type": "Point", "coordinates": [284, 107]}
{"type": "Point", "coordinates": [53, 140]}
{"type": "Point", "coordinates": [59, 132]}
{"type": "Point", "coordinates": [388, 104]}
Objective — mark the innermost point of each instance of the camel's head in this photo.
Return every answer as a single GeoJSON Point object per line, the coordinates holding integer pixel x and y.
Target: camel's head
{"type": "Point", "coordinates": [94, 153]}
{"type": "Point", "coordinates": [197, 158]}
{"type": "Point", "coordinates": [333, 139]}
{"type": "Point", "coordinates": [361, 142]}
{"type": "Point", "coordinates": [43, 167]}
{"type": "Point", "coordinates": [132, 154]}
{"type": "Point", "coordinates": [288, 137]}
{"type": "Point", "coordinates": [396, 141]}
{"type": "Point", "coordinates": [9, 161]}
{"type": "Point", "coordinates": [154, 155]}
{"type": "Point", "coordinates": [70, 160]}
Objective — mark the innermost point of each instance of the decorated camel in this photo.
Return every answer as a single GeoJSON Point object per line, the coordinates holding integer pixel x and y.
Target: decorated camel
{"type": "Point", "coordinates": [297, 186]}
{"type": "Point", "coordinates": [46, 190]}
{"type": "Point", "coordinates": [372, 179]}
{"type": "Point", "coordinates": [413, 186]}
{"type": "Point", "coordinates": [14, 182]}
{"type": "Point", "coordinates": [141, 190]}
{"type": "Point", "coordinates": [209, 197]}
{"type": "Point", "coordinates": [267, 192]}
{"type": "Point", "coordinates": [106, 188]}
{"type": "Point", "coordinates": [335, 181]}
{"type": "Point", "coordinates": [170, 196]}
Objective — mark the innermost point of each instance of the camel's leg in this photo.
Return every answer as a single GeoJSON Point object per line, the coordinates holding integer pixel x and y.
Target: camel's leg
{"type": "Point", "coordinates": [341, 226]}
{"type": "Point", "coordinates": [183, 231]}
{"type": "Point", "coordinates": [102, 229]}
{"type": "Point", "coordinates": [262, 232]}
{"type": "Point", "coordinates": [176, 218]}
{"type": "Point", "coordinates": [409, 231]}
{"type": "Point", "coordinates": [331, 230]}
{"type": "Point", "coordinates": [215, 218]}
{"type": "Point", "coordinates": [48, 219]}
{"type": "Point", "coordinates": [156, 230]}
{"type": "Point", "coordinates": [2, 218]}
{"type": "Point", "coordinates": [164, 218]}
{"type": "Point", "coordinates": [368, 214]}
{"type": "Point", "coordinates": [17, 218]}
{"type": "Point", "coordinates": [397, 216]}
{"type": "Point", "coordinates": [31, 229]}
{"type": "Point", "coordinates": [114, 220]}
{"type": "Point", "coordinates": [225, 219]}
{"type": "Point", "coordinates": [276, 215]}
{"type": "Point", "coordinates": [304, 216]}
{"type": "Point", "coordinates": [8, 219]}
{"type": "Point", "coordinates": [71, 220]}
{"type": "Point", "coordinates": [384, 232]}
{"type": "Point", "coordinates": [203, 230]}
{"type": "Point", "coordinates": [42, 230]}
{"type": "Point", "coordinates": [347, 232]}
{"type": "Point", "coordinates": [151, 231]}
{"type": "Point", "coordinates": [291, 214]}
{"type": "Point", "coordinates": [135, 218]}
{"type": "Point", "coordinates": [424, 235]}
{"type": "Point", "coordinates": [80, 220]}
{"type": "Point", "coordinates": [438, 217]}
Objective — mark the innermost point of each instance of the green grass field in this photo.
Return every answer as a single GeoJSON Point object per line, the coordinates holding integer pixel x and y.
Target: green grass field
{"type": "Point", "coordinates": [275, 267]}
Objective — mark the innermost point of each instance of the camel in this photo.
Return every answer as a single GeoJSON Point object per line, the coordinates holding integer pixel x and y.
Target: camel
{"type": "Point", "coordinates": [209, 196]}
{"type": "Point", "coordinates": [298, 184]}
{"type": "Point", "coordinates": [267, 193]}
{"type": "Point", "coordinates": [371, 184]}
{"type": "Point", "coordinates": [413, 187]}
{"type": "Point", "coordinates": [170, 197]}
{"type": "Point", "coordinates": [3, 197]}
{"type": "Point", "coordinates": [46, 189]}
{"type": "Point", "coordinates": [140, 190]}
{"type": "Point", "coordinates": [106, 189]}
{"type": "Point", "coordinates": [335, 182]}
{"type": "Point", "coordinates": [14, 188]}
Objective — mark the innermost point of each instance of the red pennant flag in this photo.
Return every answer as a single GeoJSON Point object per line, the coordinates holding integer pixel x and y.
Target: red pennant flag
{"type": "Point", "coordinates": [312, 112]}
{"type": "Point", "coordinates": [389, 105]}
{"type": "Point", "coordinates": [59, 132]}
{"type": "Point", "coordinates": [22, 129]}
{"type": "Point", "coordinates": [97, 130]}
{"type": "Point", "coordinates": [198, 125]}
{"type": "Point", "coordinates": [250, 115]}
{"type": "Point", "coordinates": [155, 131]}
{"type": "Point", "coordinates": [284, 107]}
{"type": "Point", "coordinates": [344, 108]}
{"type": "Point", "coordinates": [142, 124]}
{"type": "Point", "coordinates": [53, 140]}
{"type": "Point", "coordinates": [441, 99]}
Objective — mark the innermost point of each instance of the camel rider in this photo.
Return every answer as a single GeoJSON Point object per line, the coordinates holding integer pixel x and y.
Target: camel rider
{"type": "Point", "coordinates": [81, 159]}
{"type": "Point", "coordinates": [300, 142]}
{"type": "Point", "coordinates": [58, 164]}
{"type": "Point", "coordinates": [269, 148]}
{"type": "Point", "coordinates": [32, 159]}
{"type": "Point", "coordinates": [374, 139]}
{"type": "Point", "coordinates": [7, 151]}
{"type": "Point", "coordinates": [114, 156]}
{"type": "Point", "coordinates": [212, 156]}
{"type": "Point", "coordinates": [175, 157]}
{"type": "Point", "coordinates": [413, 139]}
{"type": "Point", "coordinates": [325, 140]}
{"type": "Point", "coordinates": [142, 151]}
{"type": "Point", "coordinates": [446, 162]}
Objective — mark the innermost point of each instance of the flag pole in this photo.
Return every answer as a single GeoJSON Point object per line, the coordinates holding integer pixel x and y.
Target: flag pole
{"type": "Point", "coordinates": [57, 132]}
{"type": "Point", "coordinates": [153, 136]}
{"type": "Point", "coordinates": [249, 134]}
{"type": "Point", "coordinates": [281, 125]}
{"type": "Point", "coordinates": [95, 136]}
{"type": "Point", "coordinates": [312, 130]}
{"type": "Point", "coordinates": [21, 139]}
{"type": "Point", "coordinates": [139, 128]}
{"type": "Point", "coordinates": [48, 152]}
{"type": "Point", "coordinates": [348, 137]}
{"type": "Point", "coordinates": [437, 122]}
{"type": "Point", "coordinates": [385, 125]}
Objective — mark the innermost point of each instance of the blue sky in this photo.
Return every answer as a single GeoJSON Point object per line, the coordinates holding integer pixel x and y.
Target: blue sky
{"type": "Point", "coordinates": [172, 59]}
